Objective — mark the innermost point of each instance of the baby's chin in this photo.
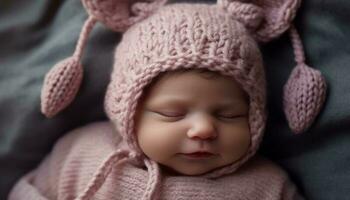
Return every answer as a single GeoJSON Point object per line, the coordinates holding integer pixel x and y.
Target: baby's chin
{"type": "Point", "coordinates": [187, 171]}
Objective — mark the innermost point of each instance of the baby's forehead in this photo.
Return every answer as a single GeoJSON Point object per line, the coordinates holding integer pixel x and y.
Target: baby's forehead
{"type": "Point", "coordinates": [193, 83]}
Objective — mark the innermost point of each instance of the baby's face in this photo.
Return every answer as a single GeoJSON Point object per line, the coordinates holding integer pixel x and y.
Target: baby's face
{"type": "Point", "coordinates": [192, 124]}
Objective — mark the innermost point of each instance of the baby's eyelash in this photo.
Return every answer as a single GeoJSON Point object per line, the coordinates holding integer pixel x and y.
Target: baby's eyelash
{"type": "Point", "coordinates": [169, 114]}
{"type": "Point", "coordinates": [230, 116]}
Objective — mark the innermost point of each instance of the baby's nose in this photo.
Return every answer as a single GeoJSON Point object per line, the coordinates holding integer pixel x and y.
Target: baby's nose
{"type": "Point", "coordinates": [202, 127]}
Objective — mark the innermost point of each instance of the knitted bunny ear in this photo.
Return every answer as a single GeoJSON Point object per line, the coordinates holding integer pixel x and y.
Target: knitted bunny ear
{"type": "Point", "coordinates": [278, 16]}
{"type": "Point", "coordinates": [269, 18]}
{"type": "Point", "coordinates": [119, 15]}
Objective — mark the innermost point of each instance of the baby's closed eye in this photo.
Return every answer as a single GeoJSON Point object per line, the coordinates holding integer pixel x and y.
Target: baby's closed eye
{"type": "Point", "coordinates": [178, 114]}
{"type": "Point", "coordinates": [230, 115]}
{"type": "Point", "coordinates": [166, 113]}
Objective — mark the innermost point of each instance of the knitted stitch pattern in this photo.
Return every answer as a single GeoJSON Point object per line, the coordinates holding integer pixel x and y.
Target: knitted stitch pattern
{"type": "Point", "coordinates": [185, 36]}
{"type": "Point", "coordinates": [66, 172]}
{"type": "Point", "coordinates": [304, 92]}
{"type": "Point", "coordinates": [220, 37]}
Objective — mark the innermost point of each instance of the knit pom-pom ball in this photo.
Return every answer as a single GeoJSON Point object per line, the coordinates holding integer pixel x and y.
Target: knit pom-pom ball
{"type": "Point", "coordinates": [61, 84]}
{"type": "Point", "coordinates": [304, 95]}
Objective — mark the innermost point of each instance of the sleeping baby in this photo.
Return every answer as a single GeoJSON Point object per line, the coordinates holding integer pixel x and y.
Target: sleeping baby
{"type": "Point", "coordinates": [186, 106]}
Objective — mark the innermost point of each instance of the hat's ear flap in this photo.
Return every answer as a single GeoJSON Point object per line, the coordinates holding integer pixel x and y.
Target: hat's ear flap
{"type": "Point", "coordinates": [119, 15]}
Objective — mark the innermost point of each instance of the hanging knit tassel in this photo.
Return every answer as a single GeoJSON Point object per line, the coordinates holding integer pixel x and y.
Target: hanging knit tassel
{"type": "Point", "coordinates": [62, 82]}
{"type": "Point", "coordinates": [116, 158]}
{"type": "Point", "coordinates": [304, 92]}
{"type": "Point", "coordinates": [153, 184]}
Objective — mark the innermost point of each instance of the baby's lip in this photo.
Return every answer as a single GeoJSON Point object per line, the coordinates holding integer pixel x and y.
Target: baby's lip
{"type": "Point", "coordinates": [200, 152]}
{"type": "Point", "coordinates": [197, 154]}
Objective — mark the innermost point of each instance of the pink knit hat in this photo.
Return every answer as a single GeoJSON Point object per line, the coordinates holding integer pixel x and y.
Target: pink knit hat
{"type": "Point", "coordinates": [218, 37]}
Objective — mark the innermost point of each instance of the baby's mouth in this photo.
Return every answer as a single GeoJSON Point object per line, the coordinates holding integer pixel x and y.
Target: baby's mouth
{"type": "Point", "coordinates": [197, 155]}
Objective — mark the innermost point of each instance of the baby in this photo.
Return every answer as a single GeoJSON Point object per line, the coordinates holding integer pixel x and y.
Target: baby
{"type": "Point", "coordinates": [187, 104]}
{"type": "Point", "coordinates": [193, 122]}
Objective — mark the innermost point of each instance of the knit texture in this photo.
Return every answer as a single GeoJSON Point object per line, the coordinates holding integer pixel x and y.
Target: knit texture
{"type": "Point", "coordinates": [68, 170]}
{"type": "Point", "coordinates": [62, 82]}
{"type": "Point", "coordinates": [220, 37]}
{"type": "Point", "coordinates": [265, 20]}
{"type": "Point", "coordinates": [185, 36]}
{"type": "Point", "coordinates": [304, 92]}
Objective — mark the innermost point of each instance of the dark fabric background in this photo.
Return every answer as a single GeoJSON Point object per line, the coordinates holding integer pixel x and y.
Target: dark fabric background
{"type": "Point", "coordinates": [34, 35]}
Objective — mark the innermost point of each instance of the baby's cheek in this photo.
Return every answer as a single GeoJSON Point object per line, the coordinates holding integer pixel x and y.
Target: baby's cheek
{"type": "Point", "coordinates": [235, 140]}
{"type": "Point", "coordinates": [168, 137]}
{"type": "Point", "coordinates": [159, 141]}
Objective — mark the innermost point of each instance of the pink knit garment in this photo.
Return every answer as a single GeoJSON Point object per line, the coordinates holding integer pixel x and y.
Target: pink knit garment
{"type": "Point", "coordinates": [62, 83]}
{"type": "Point", "coordinates": [220, 37]}
{"type": "Point", "coordinates": [72, 164]}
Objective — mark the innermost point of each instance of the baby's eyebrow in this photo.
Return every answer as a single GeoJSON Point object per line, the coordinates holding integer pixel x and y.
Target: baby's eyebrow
{"type": "Point", "coordinates": [231, 107]}
{"type": "Point", "coordinates": [169, 101]}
